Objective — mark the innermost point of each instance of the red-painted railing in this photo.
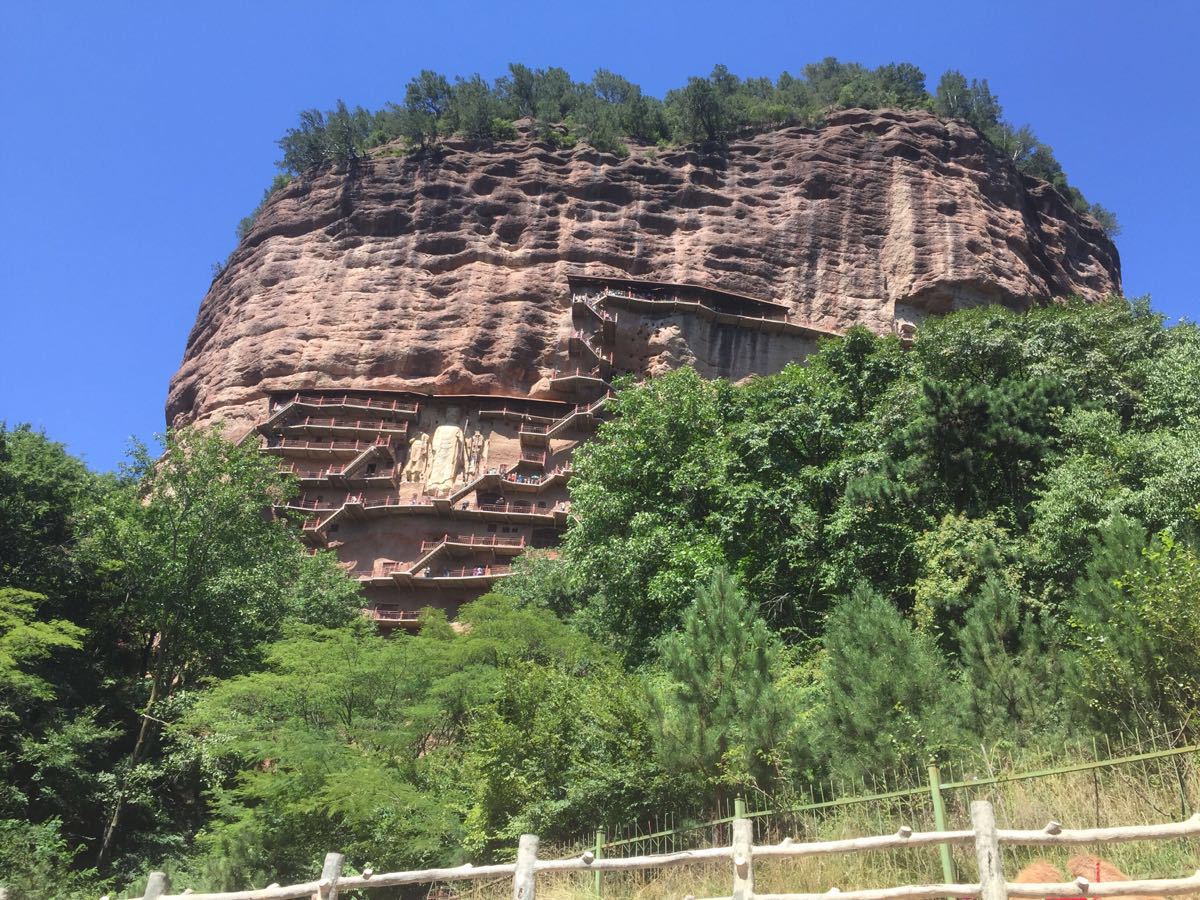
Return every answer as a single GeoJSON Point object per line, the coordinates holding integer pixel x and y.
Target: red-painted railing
{"type": "Point", "coordinates": [580, 409]}
{"type": "Point", "coordinates": [519, 508]}
{"type": "Point", "coordinates": [299, 472]}
{"type": "Point", "coordinates": [539, 478]}
{"type": "Point", "coordinates": [393, 615]}
{"type": "Point", "coordinates": [347, 400]}
{"type": "Point", "coordinates": [327, 471]}
{"type": "Point", "coordinates": [593, 303]}
{"type": "Point", "coordinates": [297, 444]}
{"type": "Point", "coordinates": [309, 504]}
{"type": "Point", "coordinates": [576, 373]}
{"type": "Point", "coordinates": [469, 572]}
{"type": "Point", "coordinates": [361, 424]}
{"type": "Point", "coordinates": [378, 502]}
{"type": "Point", "coordinates": [474, 540]}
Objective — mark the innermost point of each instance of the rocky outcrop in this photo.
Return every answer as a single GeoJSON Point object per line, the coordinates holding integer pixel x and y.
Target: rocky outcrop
{"type": "Point", "coordinates": [447, 274]}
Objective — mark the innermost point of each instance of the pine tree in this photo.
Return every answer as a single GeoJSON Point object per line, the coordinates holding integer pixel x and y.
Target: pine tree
{"type": "Point", "coordinates": [721, 715]}
{"type": "Point", "coordinates": [887, 687]}
{"type": "Point", "coordinates": [426, 101]}
{"type": "Point", "coordinates": [1006, 671]}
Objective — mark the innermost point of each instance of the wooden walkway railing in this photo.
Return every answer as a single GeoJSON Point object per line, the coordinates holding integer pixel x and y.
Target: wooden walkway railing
{"type": "Point", "coordinates": [741, 854]}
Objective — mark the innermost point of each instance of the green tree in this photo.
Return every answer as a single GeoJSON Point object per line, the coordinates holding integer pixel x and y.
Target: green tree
{"type": "Point", "coordinates": [41, 490]}
{"type": "Point", "coordinates": [1135, 620]}
{"type": "Point", "coordinates": [474, 107]}
{"type": "Point", "coordinates": [204, 575]}
{"type": "Point", "coordinates": [1105, 218]}
{"type": "Point", "coordinates": [978, 446]}
{"type": "Point", "coordinates": [346, 133]}
{"type": "Point", "coordinates": [953, 98]}
{"type": "Point", "coordinates": [719, 713]}
{"type": "Point", "coordinates": [401, 751]}
{"type": "Point", "coordinates": [37, 855]}
{"type": "Point", "coordinates": [304, 147]}
{"type": "Point", "coordinates": [519, 90]}
{"type": "Point", "coordinates": [556, 751]}
{"type": "Point", "coordinates": [699, 110]}
{"type": "Point", "coordinates": [899, 85]}
{"type": "Point", "coordinates": [47, 754]}
{"type": "Point", "coordinates": [958, 558]}
{"type": "Point", "coordinates": [1009, 674]}
{"type": "Point", "coordinates": [643, 492]}
{"type": "Point", "coordinates": [888, 692]}
{"type": "Point", "coordinates": [600, 125]}
{"type": "Point", "coordinates": [427, 100]}
{"type": "Point", "coordinates": [794, 439]}
{"type": "Point", "coordinates": [825, 79]}
{"type": "Point", "coordinates": [983, 109]}
{"type": "Point", "coordinates": [25, 642]}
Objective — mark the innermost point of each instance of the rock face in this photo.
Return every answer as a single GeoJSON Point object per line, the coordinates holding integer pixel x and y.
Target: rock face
{"type": "Point", "coordinates": [448, 275]}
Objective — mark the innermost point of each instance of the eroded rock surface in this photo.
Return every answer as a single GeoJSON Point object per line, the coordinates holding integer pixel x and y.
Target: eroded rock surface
{"type": "Point", "coordinates": [448, 274]}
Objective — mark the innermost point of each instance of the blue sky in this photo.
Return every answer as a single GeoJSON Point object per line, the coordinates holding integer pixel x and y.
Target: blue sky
{"type": "Point", "coordinates": [137, 134]}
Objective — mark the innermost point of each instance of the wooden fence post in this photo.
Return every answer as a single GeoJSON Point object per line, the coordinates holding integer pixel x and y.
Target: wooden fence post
{"type": "Point", "coordinates": [743, 862]}
{"type": "Point", "coordinates": [939, 822]}
{"type": "Point", "coordinates": [156, 885]}
{"type": "Point", "coordinates": [524, 879]}
{"type": "Point", "coordinates": [331, 872]}
{"type": "Point", "coordinates": [987, 852]}
{"type": "Point", "coordinates": [598, 853]}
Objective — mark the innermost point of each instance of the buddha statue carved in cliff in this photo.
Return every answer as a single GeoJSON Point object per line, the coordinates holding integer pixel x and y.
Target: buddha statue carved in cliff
{"type": "Point", "coordinates": [476, 452]}
{"type": "Point", "coordinates": [418, 458]}
{"type": "Point", "coordinates": [447, 452]}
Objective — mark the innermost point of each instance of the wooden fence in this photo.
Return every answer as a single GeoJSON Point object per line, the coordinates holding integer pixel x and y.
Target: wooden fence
{"type": "Point", "coordinates": [916, 795]}
{"type": "Point", "coordinates": [741, 854]}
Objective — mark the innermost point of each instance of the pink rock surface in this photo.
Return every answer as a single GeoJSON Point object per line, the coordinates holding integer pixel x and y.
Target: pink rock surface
{"type": "Point", "coordinates": [448, 274]}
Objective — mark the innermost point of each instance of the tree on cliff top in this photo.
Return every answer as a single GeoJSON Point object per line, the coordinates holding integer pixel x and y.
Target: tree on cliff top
{"type": "Point", "coordinates": [610, 108]}
{"type": "Point", "coordinates": [427, 100]}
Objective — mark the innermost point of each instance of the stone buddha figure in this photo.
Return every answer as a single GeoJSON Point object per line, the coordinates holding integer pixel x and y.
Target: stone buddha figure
{"type": "Point", "coordinates": [476, 453]}
{"type": "Point", "coordinates": [447, 452]}
{"type": "Point", "coordinates": [418, 459]}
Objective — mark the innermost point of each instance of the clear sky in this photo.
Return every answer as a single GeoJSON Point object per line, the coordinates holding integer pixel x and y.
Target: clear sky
{"type": "Point", "coordinates": [136, 134]}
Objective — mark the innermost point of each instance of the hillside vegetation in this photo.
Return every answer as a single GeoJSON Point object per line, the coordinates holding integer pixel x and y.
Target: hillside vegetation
{"type": "Point", "coordinates": [608, 111]}
{"type": "Point", "coordinates": [882, 558]}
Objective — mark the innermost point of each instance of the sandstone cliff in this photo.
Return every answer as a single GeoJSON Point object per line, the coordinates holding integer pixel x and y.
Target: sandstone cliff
{"type": "Point", "coordinates": [448, 274]}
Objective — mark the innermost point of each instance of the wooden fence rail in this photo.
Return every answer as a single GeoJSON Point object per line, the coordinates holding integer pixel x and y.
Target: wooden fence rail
{"type": "Point", "coordinates": [987, 839]}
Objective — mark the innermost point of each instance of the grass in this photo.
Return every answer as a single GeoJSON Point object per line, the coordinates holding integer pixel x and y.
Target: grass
{"type": "Point", "coordinates": [1144, 792]}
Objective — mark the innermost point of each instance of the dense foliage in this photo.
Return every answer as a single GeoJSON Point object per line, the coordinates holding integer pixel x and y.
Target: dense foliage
{"type": "Point", "coordinates": [993, 528]}
{"type": "Point", "coordinates": [120, 597]}
{"type": "Point", "coordinates": [609, 110]}
{"type": "Point", "coordinates": [877, 559]}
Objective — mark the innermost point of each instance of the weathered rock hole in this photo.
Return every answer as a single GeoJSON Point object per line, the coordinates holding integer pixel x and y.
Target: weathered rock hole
{"type": "Point", "coordinates": [441, 245]}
